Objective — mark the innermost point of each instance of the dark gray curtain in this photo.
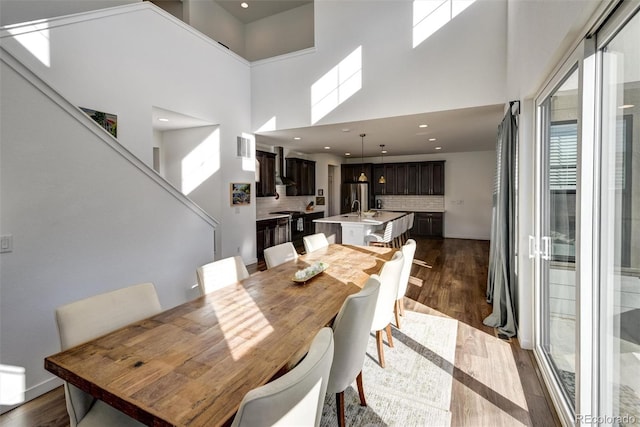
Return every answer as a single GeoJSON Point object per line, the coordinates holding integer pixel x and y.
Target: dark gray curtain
{"type": "Point", "coordinates": [501, 280]}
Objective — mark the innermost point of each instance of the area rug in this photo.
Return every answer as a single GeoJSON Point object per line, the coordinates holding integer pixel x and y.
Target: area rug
{"type": "Point", "coordinates": [415, 387]}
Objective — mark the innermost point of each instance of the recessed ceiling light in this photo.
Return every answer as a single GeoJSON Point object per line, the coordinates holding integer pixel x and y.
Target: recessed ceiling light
{"type": "Point", "coordinates": [423, 126]}
{"type": "Point", "coordinates": [163, 120]}
{"type": "Point", "coordinates": [622, 107]}
{"type": "Point", "coordinates": [297, 138]}
{"type": "Point", "coordinates": [244, 5]}
{"type": "Point", "coordinates": [432, 139]}
{"type": "Point", "coordinates": [347, 154]}
{"type": "Point", "coordinates": [327, 148]}
{"type": "Point", "coordinates": [438, 148]}
{"type": "Point", "coordinates": [384, 151]}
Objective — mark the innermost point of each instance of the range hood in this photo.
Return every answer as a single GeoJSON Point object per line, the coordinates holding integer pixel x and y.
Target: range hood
{"type": "Point", "coordinates": [281, 179]}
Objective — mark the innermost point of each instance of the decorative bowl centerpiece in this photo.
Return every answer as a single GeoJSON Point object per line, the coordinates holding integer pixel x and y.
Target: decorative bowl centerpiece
{"type": "Point", "coordinates": [369, 214]}
{"type": "Point", "coordinates": [310, 272]}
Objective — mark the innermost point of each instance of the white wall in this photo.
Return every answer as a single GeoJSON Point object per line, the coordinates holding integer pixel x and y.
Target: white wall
{"type": "Point", "coordinates": [285, 32]}
{"type": "Point", "coordinates": [84, 220]}
{"type": "Point", "coordinates": [396, 78]}
{"type": "Point", "coordinates": [214, 21]}
{"type": "Point", "coordinates": [156, 60]}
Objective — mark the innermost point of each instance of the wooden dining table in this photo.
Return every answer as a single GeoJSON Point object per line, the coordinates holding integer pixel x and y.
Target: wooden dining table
{"type": "Point", "coordinates": [192, 364]}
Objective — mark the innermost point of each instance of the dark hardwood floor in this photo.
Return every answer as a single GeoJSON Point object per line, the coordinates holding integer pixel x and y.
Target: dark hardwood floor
{"type": "Point", "coordinates": [496, 383]}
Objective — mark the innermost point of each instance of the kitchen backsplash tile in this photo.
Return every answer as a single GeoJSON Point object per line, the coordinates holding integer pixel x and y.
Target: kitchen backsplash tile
{"type": "Point", "coordinates": [266, 205]}
{"type": "Point", "coordinates": [417, 203]}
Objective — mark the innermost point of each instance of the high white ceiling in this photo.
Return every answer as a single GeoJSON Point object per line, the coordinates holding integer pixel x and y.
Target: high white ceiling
{"type": "Point", "coordinates": [468, 129]}
{"type": "Point", "coordinates": [259, 9]}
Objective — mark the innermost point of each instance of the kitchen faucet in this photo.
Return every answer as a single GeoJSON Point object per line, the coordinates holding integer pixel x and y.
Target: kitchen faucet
{"type": "Point", "coordinates": [354, 203]}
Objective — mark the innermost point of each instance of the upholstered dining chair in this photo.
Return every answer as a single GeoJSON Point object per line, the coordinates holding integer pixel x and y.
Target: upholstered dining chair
{"type": "Point", "coordinates": [218, 274]}
{"type": "Point", "coordinates": [279, 254]}
{"type": "Point", "coordinates": [351, 329]}
{"type": "Point", "coordinates": [297, 397]}
{"type": "Point", "coordinates": [315, 242]}
{"type": "Point", "coordinates": [389, 279]}
{"type": "Point", "coordinates": [408, 252]}
{"type": "Point", "coordinates": [84, 320]}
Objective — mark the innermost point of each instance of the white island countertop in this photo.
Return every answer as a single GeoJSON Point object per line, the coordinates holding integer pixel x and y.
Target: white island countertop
{"type": "Point", "coordinates": [355, 219]}
{"type": "Point", "coordinates": [353, 229]}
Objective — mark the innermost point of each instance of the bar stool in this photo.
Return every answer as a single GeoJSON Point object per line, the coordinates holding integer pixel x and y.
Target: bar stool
{"type": "Point", "coordinates": [397, 232]}
{"type": "Point", "coordinates": [381, 239]}
{"type": "Point", "coordinates": [411, 217]}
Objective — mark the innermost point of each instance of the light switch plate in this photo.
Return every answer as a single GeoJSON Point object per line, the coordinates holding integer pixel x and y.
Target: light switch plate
{"type": "Point", "coordinates": [6, 243]}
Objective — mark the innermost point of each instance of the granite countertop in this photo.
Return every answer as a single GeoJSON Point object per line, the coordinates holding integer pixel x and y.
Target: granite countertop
{"type": "Point", "coordinates": [355, 219]}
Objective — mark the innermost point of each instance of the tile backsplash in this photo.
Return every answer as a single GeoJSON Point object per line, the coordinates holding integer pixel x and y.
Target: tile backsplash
{"type": "Point", "coordinates": [417, 203]}
{"type": "Point", "coordinates": [266, 205]}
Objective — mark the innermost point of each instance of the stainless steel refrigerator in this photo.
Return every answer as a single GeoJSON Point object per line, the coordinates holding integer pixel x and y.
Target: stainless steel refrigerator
{"type": "Point", "coordinates": [351, 192]}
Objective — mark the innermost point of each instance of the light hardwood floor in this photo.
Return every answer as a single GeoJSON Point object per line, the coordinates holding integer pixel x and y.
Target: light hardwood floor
{"type": "Point", "coordinates": [496, 383]}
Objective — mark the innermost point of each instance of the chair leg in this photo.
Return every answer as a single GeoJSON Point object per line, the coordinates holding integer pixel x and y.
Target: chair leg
{"type": "Point", "coordinates": [380, 348]}
{"type": "Point", "coordinates": [401, 308]}
{"type": "Point", "coordinates": [389, 338]}
{"type": "Point", "coordinates": [396, 310]}
{"type": "Point", "coordinates": [363, 401]}
{"type": "Point", "coordinates": [340, 408]}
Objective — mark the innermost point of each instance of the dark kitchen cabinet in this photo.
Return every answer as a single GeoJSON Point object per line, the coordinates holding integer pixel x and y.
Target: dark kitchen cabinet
{"type": "Point", "coordinates": [303, 172]}
{"type": "Point", "coordinates": [309, 225]}
{"type": "Point", "coordinates": [271, 232]}
{"type": "Point", "coordinates": [401, 179]}
{"type": "Point", "coordinates": [428, 224]}
{"type": "Point", "coordinates": [351, 172]}
{"type": "Point", "coordinates": [407, 178]}
{"type": "Point", "coordinates": [378, 189]}
{"type": "Point", "coordinates": [432, 178]}
{"type": "Point", "coordinates": [267, 173]}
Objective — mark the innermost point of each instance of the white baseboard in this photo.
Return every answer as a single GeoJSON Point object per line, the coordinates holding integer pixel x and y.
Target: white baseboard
{"type": "Point", "coordinates": [35, 391]}
{"type": "Point", "coordinates": [525, 344]}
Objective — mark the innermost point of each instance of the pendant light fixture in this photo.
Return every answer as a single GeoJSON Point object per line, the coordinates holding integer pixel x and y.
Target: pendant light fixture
{"type": "Point", "coordinates": [382, 180]}
{"type": "Point", "coordinates": [362, 177]}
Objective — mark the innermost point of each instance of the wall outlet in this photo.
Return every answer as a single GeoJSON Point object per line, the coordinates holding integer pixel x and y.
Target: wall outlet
{"type": "Point", "coordinates": [6, 243]}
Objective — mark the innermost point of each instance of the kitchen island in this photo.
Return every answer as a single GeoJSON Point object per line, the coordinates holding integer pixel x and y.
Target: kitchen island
{"type": "Point", "coordinates": [351, 228]}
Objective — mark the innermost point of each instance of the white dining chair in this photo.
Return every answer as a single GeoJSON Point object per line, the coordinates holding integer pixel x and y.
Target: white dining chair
{"type": "Point", "coordinates": [279, 254]}
{"type": "Point", "coordinates": [221, 273]}
{"type": "Point", "coordinates": [314, 242]}
{"type": "Point", "coordinates": [351, 329]}
{"type": "Point", "coordinates": [383, 238]}
{"type": "Point", "coordinates": [90, 318]}
{"type": "Point", "coordinates": [297, 397]}
{"type": "Point", "coordinates": [408, 252]}
{"type": "Point", "coordinates": [389, 279]}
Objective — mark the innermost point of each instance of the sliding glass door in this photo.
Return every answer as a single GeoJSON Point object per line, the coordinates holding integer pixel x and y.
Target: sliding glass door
{"type": "Point", "coordinates": [620, 226]}
{"type": "Point", "coordinates": [587, 240]}
{"type": "Point", "coordinates": [558, 125]}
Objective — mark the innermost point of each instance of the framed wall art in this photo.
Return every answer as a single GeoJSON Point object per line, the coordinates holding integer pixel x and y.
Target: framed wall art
{"type": "Point", "coordinates": [240, 193]}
